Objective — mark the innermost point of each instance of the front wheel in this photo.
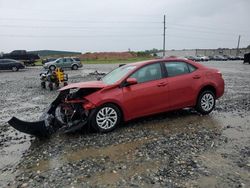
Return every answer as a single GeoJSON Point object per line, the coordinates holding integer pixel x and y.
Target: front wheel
{"type": "Point", "coordinates": [106, 118]}
{"type": "Point", "coordinates": [52, 68]}
{"type": "Point", "coordinates": [206, 102]}
{"type": "Point", "coordinates": [14, 69]}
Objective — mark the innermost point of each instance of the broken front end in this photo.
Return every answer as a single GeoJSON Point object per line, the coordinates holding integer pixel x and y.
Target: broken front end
{"type": "Point", "coordinates": [69, 112]}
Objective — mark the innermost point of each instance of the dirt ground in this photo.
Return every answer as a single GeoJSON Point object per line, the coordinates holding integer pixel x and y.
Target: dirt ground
{"type": "Point", "coordinates": [177, 149]}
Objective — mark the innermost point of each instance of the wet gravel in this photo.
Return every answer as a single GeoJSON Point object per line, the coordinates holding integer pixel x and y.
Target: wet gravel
{"type": "Point", "coordinates": [176, 149]}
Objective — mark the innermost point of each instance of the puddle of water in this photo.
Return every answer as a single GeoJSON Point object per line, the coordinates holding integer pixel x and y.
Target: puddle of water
{"type": "Point", "coordinates": [112, 177]}
{"type": "Point", "coordinates": [183, 123]}
{"type": "Point", "coordinates": [10, 157]}
{"type": "Point", "coordinates": [120, 152]}
{"type": "Point", "coordinates": [216, 163]}
{"type": "Point", "coordinates": [114, 152]}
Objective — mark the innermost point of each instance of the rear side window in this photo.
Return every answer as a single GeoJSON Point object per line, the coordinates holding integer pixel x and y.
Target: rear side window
{"type": "Point", "coordinates": [178, 68]}
{"type": "Point", "coordinates": [68, 60]}
{"type": "Point", "coordinates": [148, 73]}
{"type": "Point", "coordinates": [76, 59]}
{"type": "Point", "coordinates": [191, 68]}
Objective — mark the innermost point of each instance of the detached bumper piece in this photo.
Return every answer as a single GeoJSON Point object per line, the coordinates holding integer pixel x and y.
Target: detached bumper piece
{"type": "Point", "coordinates": [45, 128]}
{"type": "Point", "coordinates": [37, 128]}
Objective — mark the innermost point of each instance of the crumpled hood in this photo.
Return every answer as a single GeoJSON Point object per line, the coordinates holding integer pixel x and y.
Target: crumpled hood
{"type": "Point", "coordinates": [81, 85]}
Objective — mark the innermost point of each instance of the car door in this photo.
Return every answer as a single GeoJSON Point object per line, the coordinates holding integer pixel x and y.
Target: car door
{"type": "Point", "coordinates": [149, 95]}
{"type": "Point", "coordinates": [68, 62]}
{"type": "Point", "coordinates": [182, 82]}
{"type": "Point", "coordinates": [60, 62]}
{"type": "Point", "coordinates": [4, 64]}
{"type": "Point", "coordinates": [1, 64]}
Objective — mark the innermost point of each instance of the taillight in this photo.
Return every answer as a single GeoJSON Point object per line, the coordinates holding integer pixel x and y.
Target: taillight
{"type": "Point", "coordinates": [219, 73]}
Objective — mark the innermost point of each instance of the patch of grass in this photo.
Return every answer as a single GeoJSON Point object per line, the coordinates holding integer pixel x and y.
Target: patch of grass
{"type": "Point", "coordinates": [38, 63]}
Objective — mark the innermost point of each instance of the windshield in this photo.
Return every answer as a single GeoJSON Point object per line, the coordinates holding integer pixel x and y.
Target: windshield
{"type": "Point", "coordinates": [117, 74]}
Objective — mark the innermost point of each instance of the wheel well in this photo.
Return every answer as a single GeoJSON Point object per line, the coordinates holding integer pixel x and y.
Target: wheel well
{"type": "Point", "coordinates": [74, 65]}
{"type": "Point", "coordinates": [52, 66]}
{"type": "Point", "coordinates": [208, 87]}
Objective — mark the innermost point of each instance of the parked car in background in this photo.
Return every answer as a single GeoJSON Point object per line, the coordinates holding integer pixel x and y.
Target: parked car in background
{"type": "Point", "coordinates": [239, 58]}
{"type": "Point", "coordinates": [193, 58]}
{"type": "Point", "coordinates": [46, 60]}
{"type": "Point", "coordinates": [65, 62]}
{"type": "Point", "coordinates": [219, 58]}
{"type": "Point", "coordinates": [229, 57]}
{"type": "Point", "coordinates": [11, 64]}
{"type": "Point", "coordinates": [203, 58]}
{"type": "Point", "coordinates": [247, 58]}
{"type": "Point", "coordinates": [21, 55]}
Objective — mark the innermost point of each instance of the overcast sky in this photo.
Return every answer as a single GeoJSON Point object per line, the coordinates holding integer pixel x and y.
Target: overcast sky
{"type": "Point", "coordinates": [119, 25]}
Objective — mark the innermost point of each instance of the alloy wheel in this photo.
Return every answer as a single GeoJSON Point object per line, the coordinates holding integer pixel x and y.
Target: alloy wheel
{"type": "Point", "coordinates": [207, 102]}
{"type": "Point", "coordinates": [106, 118]}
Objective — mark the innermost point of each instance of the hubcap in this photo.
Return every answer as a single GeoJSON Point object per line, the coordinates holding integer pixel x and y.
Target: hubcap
{"type": "Point", "coordinates": [14, 68]}
{"type": "Point", "coordinates": [207, 102]}
{"type": "Point", "coordinates": [106, 118]}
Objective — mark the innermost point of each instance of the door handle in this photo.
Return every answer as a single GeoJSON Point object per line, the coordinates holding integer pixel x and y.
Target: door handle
{"type": "Point", "coordinates": [196, 77]}
{"type": "Point", "coordinates": [162, 84]}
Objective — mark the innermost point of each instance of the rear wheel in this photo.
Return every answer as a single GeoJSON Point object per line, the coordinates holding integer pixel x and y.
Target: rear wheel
{"type": "Point", "coordinates": [206, 102]}
{"type": "Point", "coordinates": [74, 67]}
{"type": "Point", "coordinates": [106, 118]}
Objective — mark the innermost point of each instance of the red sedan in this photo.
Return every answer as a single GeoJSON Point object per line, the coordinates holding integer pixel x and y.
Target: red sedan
{"type": "Point", "coordinates": [135, 90]}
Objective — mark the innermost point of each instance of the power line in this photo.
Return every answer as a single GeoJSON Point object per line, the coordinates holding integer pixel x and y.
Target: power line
{"type": "Point", "coordinates": [181, 28]}
{"type": "Point", "coordinates": [73, 36]}
{"type": "Point", "coordinates": [110, 36]}
{"type": "Point", "coordinates": [203, 27]}
{"type": "Point", "coordinates": [80, 21]}
{"type": "Point", "coordinates": [75, 27]}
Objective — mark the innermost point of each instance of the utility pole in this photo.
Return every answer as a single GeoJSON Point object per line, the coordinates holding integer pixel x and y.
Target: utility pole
{"type": "Point", "coordinates": [238, 45]}
{"type": "Point", "coordinates": [164, 35]}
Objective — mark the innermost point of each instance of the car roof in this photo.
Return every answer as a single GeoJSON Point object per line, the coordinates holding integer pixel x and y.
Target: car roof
{"type": "Point", "coordinates": [142, 63]}
{"type": "Point", "coordinates": [10, 60]}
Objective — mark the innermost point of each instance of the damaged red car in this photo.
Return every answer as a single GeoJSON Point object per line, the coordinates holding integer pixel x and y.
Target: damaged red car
{"type": "Point", "coordinates": [128, 92]}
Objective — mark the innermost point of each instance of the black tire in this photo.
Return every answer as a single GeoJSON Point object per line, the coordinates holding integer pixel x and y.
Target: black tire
{"type": "Point", "coordinates": [50, 86]}
{"type": "Point", "coordinates": [52, 67]}
{"type": "Point", "coordinates": [43, 85]}
{"type": "Point", "coordinates": [206, 102]}
{"type": "Point", "coordinates": [57, 84]}
{"type": "Point", "coordinates": [114, 117]}
{"type": "Point", "coordinates": [14, 69]}
{"type": "Point", "coordinates": [74, 67]}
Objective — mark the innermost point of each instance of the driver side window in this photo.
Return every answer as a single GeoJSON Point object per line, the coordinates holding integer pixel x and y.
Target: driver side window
{"type": "Point", "coordinates": [60, 61]}
{"type": "Point", "coordinates": [148, 73]}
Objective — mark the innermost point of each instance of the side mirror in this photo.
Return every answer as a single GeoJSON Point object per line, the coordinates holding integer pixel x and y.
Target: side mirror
{"type": "Point", "coordinates": [131, 81]}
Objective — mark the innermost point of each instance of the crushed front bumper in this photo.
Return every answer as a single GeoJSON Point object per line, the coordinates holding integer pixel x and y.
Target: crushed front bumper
{"type": "Point", "coordinates": [50, 122]}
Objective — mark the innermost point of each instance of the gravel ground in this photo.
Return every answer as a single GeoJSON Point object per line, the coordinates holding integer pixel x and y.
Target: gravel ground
{"type": "Point", "coordinates": [176, 149]}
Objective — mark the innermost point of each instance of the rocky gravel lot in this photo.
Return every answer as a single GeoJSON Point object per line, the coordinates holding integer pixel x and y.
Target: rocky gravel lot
{"type": "Point", "coordinates": [176, 149]}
